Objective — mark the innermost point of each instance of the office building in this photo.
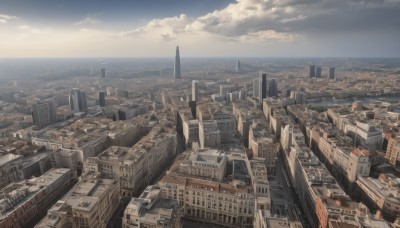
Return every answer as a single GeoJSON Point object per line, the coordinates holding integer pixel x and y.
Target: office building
{"type": "Point", "coordinates": [238, 66]}
{"type": "Point", "coordinates": [312, 71]}
{"type": "Point", "coordinates": [256, 89]}
{"type": "Point", "coordinates": [192, 106]}
{"type": "Point", "coordinates": [103, 72]}
{"type": "Point", "coordinates": [195, 90]}
{"type": "Point", "coordinates": [273, 87]}
{"type": "Point", "coordinates": [331, 73]}
{"type": "Point", "coordinates": [77, 101]}
{"type": "Point", "coordinates": [44, 113]}
{"type": "Point", "coordinates": [102, 99]}
{"type": "Point", "coordinates": [263, 90]}
{"type": "Point", "coordinates": [177, 66]}
{"type": "Point", "coordinates": [318, 72]}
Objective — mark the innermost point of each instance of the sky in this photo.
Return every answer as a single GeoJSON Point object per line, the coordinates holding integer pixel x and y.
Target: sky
{"type": "Point", "coordinates": [202, 28]}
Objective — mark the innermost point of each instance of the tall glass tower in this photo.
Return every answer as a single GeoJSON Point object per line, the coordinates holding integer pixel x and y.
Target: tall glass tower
{"type": "Point", "coordinates": [177, 67]}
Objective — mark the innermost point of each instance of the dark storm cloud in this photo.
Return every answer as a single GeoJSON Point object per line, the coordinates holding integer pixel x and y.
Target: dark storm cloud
{"type": "Point", "coordinates": [344, 21]}
{"type": "Point", "coordinates": [301, 16]}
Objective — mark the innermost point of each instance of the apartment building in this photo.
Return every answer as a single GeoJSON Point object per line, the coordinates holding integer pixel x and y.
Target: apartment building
{"type": "Point", "coordinates": [151, 210]}
{"type": "Point", "coordinates": [90, 203]}
{"type": "Point", "coordinates": [23, 203]}
{"type": "Point", "coordinates": [230, 202]}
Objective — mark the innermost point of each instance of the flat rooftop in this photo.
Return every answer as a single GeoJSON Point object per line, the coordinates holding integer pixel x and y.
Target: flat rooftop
{"type": "Point", "coordinates": [8, 158]}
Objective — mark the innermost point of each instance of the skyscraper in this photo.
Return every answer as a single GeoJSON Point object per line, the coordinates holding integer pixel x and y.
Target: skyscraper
{"type": "Point", "coordinates": [273, 87]}
{"type": "Point", "coordinates": [195, 90]}
{"type": "Point", "coordinates": [103, 72]}
{"type": "Point", "coordinates": [263, 86]}
{"type": "Point", "coordinates": [177, 67]}
{"type": "Point", "coordinates": [77, 101]}
{"type": "Point", "coordinates": [102, 99]}
{"type": "Point", "coordinates": [312, 71]}
{"type": "Point", "coordinates": [331, 73]}
{"type": "Point", "coordinates": [318, 72]}
{"type": "Point", "coordinates": [238, 66]}
{"type": "Point", "coordinates": [256, 87]}
{"type": "Point", "coordinates": [44, 113]}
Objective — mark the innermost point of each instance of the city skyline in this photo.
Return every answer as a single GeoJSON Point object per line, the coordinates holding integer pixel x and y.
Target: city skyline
{"type": "Point", "coordinates": [242, 28]}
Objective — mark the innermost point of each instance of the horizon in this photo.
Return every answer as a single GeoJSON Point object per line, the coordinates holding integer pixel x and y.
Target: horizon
{"type": "Point", "coordinates": [205, 57]}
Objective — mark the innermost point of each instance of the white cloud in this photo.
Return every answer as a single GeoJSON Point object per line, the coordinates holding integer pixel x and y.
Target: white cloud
{"type": "Point", "coordinates": [88, 21]}
{"type": "Point", "coordinates": [30, 29]}
{"type": "Point", "coordinates": [165, 29]}
{"type": "Point", "coordinates": [266, 36]}
{"type": "Point", "coordinates": [247, 20]}
{"type": "Point", "coordinates": [5, 18]}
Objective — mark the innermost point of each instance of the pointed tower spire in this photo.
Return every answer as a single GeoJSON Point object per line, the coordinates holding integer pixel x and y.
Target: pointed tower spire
{"type": "Point", "coordinates": [238, 66]}
{"type": "Point", "coordinates": [177, 67]}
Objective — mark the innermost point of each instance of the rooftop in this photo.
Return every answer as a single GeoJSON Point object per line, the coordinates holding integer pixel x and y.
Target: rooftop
{"type": "Point", "coordinates": [8, 158]}
{"type": "Point", "coordinates": [87, 193]}
{"type": "Point", "coordinates": [386, 186]}
{"type": "Point", "coordinates": [151, 209]}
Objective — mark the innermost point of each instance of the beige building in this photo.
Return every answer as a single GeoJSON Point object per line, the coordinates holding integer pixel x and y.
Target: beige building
{"type": "Point", "coordinates": [190, 131]}
{"type": "Point", "coordinates": [262, 143]}
{"type": "Point", "coordinates": [383, 192]}
{"type": "Point", "coordinates": [265, 220]}
{"type": "Point", "coordinates": [90, 203]}
{"type": "Point", "coordinates": [66, 158]}
{"type": "Point", "coordinates": [136, 167]}
{"type": "Point", "coordinates": [366, 134]}
{"type": "Point", "coordinates": [229, 203]}
{"type": "Point", "coordinates": [209, 134]}
{"type": "Point", "coordinates": [245, 115]}
{"type": "Point", "coordinates": [393, 151]}
{"type": "Point", "coordinates": [91, 136]}
{"type": "Point", "coordinates": [226, 124]}
{"type": "Point", "coordinates": [10, 169]}
{"type": "Point", "coordinates": [260, 185]}
{"type": "Point", "coordinates": [151, 210]}
{"type": "Point", "coordinates": [338, 150]}
{"type": "Point", "coordinates": [23, 203]}
{"type": "Point", "coordinates": [359, 164]}
{"type": "Point", "coordinates": [209, 163]}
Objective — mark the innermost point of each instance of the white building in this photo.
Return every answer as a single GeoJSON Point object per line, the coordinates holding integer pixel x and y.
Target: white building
{"type": "Point", "coordinates": [358, 165]}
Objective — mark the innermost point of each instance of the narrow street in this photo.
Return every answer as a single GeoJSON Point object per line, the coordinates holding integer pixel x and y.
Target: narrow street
{"type": "Point", "coordinates": [292, 208]}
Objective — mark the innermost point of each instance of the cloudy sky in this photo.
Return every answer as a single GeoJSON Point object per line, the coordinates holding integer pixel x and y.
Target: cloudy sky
{"type": "Point", "coordinates": [216, 28]}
